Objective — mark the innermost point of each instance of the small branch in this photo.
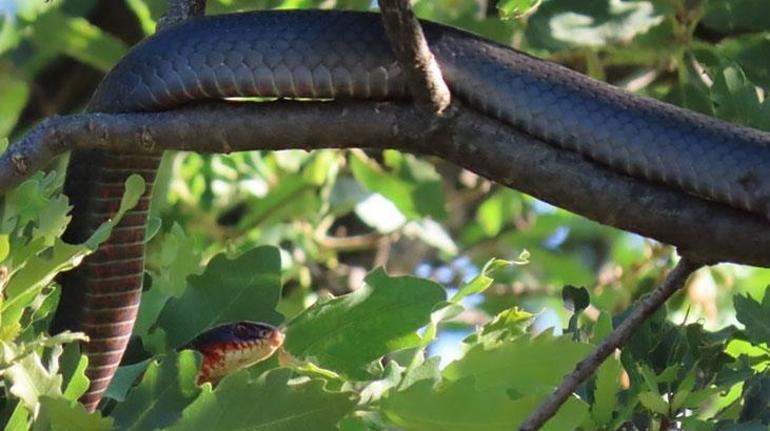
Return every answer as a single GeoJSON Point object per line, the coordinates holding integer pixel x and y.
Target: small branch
{"type": "Point", "coordinates": [411, 49]}
{"type": "Point", "coordinates": [470, 140]}
{"type": "Point", "coordinates": [181, 10]}
{"type": "Point", "coordinates": [619, 337]}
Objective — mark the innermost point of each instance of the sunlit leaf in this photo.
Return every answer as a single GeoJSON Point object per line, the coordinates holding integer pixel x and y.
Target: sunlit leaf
{"type": "Point", "coordinates": [462, 406]}
{"type": "Point", "coordinates": [270, 403]}
{"type": "Point", "coordinates": [58, 414]}
{"type": "Point", "coordinates": [540, 363]}
{"type": "Point", "coordinates": [347, 333]}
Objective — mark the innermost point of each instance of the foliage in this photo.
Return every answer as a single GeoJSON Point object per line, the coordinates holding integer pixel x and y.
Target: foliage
{"type": "Point", "coordinates": [456, 338]}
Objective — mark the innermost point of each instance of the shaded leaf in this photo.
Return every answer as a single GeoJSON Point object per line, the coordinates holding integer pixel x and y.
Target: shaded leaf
{"type": "Point", "coordinates": [124, 380]}
{"type": "Point", "coordinates": [654, 402]}
{"type": "Point", "coordinates": [165, 390]}
{"type": "Point", "coordinates": [76, 37]}
{"type": "Point", "coordinates": [416, 192]}
{"type": "Point", "coordinates": [753, 315]}
{"type": "Point", "coordinates": [561, 24]}
{"type": "Point", "coordinates": [225, 293]}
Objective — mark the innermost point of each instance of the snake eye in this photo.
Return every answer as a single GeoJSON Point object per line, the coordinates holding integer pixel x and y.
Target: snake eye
{"type": "Point", "coordinates": [241, 331]}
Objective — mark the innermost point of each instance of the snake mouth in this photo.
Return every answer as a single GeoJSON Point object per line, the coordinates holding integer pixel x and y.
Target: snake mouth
{"type": "Point", "coordinates": [276, 338]}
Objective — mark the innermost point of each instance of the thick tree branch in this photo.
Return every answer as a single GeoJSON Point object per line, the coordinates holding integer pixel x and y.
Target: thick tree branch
{"type": "Point", "coordinates": [619, 337]}
{"type": "Point", "coordinates": [411, 49]}
{"type": "Point", "coordinates": [706, 231]}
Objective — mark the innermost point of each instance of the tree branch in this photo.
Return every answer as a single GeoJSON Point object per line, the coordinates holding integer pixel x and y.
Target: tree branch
{"type": "Point", "coordinates": [181, 10]}
{"type": "Point", "coordinates": [411, 49]}
{"type": "Point", "coordinates": [619, 337]}
{"type": "Point", "coordinates": [707, 232]}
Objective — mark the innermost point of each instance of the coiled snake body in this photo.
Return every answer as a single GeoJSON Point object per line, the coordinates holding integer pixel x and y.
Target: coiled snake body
{"type": "Point", "coordinates": [333, 55]}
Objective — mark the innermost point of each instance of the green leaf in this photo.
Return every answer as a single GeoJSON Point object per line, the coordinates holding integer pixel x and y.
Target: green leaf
{"type": "Point", "coordinates": [509, 323]}
{"type": "Point", "coordinates": [524, 365]}
{"type": "Point", "coordinates": [270, 403]}
{"type": "Point", "coordinates": [684, 390]}
{"type": "Point", "coordinates": [605, 394]}
{"type": "Point", "coordinates": [517, 8]}
{"type": "Point", "coordinates": [603, 327]}
{"type": "Point", "coordinates": [560, 24]}
{"type": "Point", "coordinates": [166, 389]}
{"type": "Point", "coordinates": [499, 209]}
{"type": "Point", "coordinates": [57, 414]}
{"type": "Point", "coordinates": [173, 258]}
{"type": "Point", "coordinates": [347, 333]}
{"type": "Point", "coordinates": [736, 16]}
{"type": "Point", "coordinates": [376, 388]}
{"type": "Point", "coordinates": [54, 218]}
{"type": "Point", "coordinates": [735, 97]}
{"type": "Point", "coordinates": [414, 186]}
{"type": "Point", "coordinates": [76, 37]}
{"type": "Point", "coordinates": [39, 270]}
{"type": "Point", "coordinates": [19, 419]}
{"type": "Point", "coordinates": [124, 380]}
{"type": "Point", "coordinates": [15, 94]}
{"type": "Point", "coordinates": [753, 315]}
{"type": "Point", "coordinates": [5, 247]}
{"type": "Point", "coordinates": [30, 380]}
{"type": "Point", "coordinates": [463, 406]}
{"type": "Point", "coordinates": [654, 402]}
{"type": "Point", "coordinates": [748, 51]}
{"type": "Point", "coordinates": [224, 293]}
{"type": "Point", "coordinates": [428, 370]}
{"type": "Point", "coordinates": [143, 14]}
{"type": "Point", "coordinates": [485, 279]}
{"type": "Point", "coordinates": [78, 383]}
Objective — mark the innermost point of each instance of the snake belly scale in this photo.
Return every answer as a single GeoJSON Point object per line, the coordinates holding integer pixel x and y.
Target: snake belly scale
{"type": "Point", "coordinates": [344, 55]}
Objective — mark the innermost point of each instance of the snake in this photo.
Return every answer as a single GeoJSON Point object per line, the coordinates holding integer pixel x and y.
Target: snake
{"type": "Point", "coordinates": [230, 347]}
{"type": "Point", "coordinates": [325, 55]}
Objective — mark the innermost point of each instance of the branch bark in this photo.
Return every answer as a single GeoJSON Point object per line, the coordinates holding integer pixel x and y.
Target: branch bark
{"type": "Point", "coordinates": [707, 232]}
{"type": "Point", "coordinates": [181, 10]}
{"type": "Point", "coordinates": [411, 49]}
{"type": "Point", "coordinates": [619, 337]}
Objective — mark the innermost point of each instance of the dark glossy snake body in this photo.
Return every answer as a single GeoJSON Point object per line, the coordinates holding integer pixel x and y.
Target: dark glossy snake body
{"type": "Point", "coordinates": [335, 55]}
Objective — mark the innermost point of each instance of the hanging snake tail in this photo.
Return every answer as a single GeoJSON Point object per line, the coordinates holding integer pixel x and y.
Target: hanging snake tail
{"type": "Point", "coordinates": [101, 297]}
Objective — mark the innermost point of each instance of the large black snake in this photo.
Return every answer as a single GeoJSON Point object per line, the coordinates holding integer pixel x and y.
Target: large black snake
{"type": "Point", "coordinates": [334, 55]}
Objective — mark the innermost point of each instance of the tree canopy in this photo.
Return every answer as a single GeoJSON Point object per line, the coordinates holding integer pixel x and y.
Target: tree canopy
{"type": "Point", "coordinates": [414, 294]}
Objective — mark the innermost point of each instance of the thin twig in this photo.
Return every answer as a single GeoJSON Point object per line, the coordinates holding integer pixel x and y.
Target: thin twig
{"type": "Point", "coordinates": [411, 49]}
{"type": "Point", "coordinates": [619, 337]}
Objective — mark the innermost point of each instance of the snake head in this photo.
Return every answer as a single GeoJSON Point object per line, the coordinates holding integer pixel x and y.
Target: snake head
{"type": "Point", "coordinates": [233, 346]}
